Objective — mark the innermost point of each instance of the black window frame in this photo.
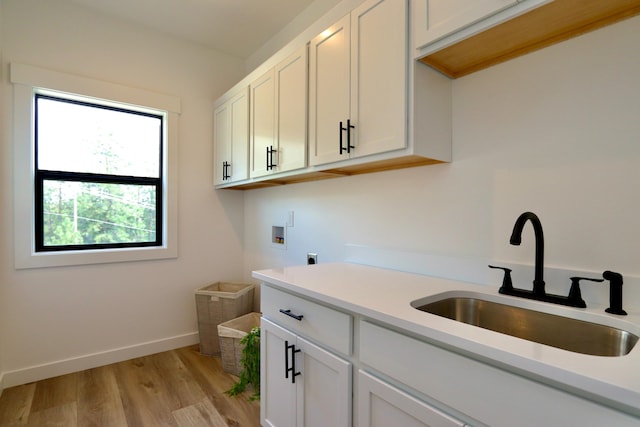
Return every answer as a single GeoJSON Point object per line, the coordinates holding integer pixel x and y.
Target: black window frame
{"type": "Point", "coordinates": [42, 175]}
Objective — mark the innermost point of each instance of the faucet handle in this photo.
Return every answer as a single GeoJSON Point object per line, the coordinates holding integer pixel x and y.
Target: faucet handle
{"type": "Point", "coordinates": [506, 281]}
{"type": "Point", "coordinates": [574, 293]}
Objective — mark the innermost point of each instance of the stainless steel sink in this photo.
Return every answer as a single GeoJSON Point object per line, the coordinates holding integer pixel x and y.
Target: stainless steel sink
{"type": "Point", "coordinates": [558, 331]}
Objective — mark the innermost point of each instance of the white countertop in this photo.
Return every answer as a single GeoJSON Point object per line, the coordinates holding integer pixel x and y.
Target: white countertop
{"type": "Point", "coordinates": [385, 296]}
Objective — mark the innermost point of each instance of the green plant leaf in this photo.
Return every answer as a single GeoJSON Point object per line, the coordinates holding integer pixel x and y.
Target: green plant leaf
{"type": "Point", "coordinates": [250, 366]}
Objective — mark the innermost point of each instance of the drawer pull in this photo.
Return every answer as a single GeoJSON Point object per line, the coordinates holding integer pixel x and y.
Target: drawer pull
{"type": "Point", "coordinates": [290, 314]}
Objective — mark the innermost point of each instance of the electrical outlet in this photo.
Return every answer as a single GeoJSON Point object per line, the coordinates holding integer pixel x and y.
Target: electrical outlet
{"type": "Point", "coordinates": [312, 258]}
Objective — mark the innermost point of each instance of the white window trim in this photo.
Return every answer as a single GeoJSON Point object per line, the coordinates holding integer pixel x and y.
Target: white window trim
{"type": "Point", "coordinates": [26, 81]}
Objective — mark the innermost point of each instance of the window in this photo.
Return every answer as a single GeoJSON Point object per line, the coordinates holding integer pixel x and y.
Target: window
{"type": "Point", "coordinates": [98, 180]}
{"type": "Point", "coordinates": [93, 168]}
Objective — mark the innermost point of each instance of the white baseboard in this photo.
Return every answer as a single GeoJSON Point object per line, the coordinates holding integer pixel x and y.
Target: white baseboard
{"type": "Point", "coordinates": [75, 364]}
{"type": "Point", "coordinates": [1, 382]}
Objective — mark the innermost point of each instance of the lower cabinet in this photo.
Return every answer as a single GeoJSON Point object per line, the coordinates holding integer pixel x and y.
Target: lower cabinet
{"type": "Point", "coordinates": [302, 384]}
{"type": "Point", "coordinates": [482, 394]}
{"type": "Point", "coordinates": [310, 350]}
{"type": "Point", "coordinates": [382, 405]}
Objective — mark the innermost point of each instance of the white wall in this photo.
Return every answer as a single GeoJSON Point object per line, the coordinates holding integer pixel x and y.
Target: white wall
{"type": "Point", "coordinates": [556, 132]}
{"type": "Point", "coordinates": [58, 319]}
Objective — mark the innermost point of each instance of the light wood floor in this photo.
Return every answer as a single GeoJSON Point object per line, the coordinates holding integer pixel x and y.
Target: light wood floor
{"type": "Point", "coordinates": [175, 388]}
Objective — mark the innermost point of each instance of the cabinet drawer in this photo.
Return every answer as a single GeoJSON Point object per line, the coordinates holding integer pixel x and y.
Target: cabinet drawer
{"type": "Point", "coordinates": [322, 324]}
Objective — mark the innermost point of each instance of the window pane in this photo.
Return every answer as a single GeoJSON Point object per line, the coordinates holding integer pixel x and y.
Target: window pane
{"type": "Point", "coordinates": [84, 213]}
{"type": "Point", "coordinates": [83, 138]}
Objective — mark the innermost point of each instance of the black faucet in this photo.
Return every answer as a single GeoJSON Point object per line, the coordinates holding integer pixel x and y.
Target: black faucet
{"type": "Point", "coordinates": [538, 293]}
{"type": "Point", "coordinates": [574, 299]}
{"type": "Point", "coordinates": [516, 239]}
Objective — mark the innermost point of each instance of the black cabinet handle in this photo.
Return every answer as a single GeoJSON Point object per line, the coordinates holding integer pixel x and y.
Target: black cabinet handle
{"type": "Point", "coordinates": [348, 130]}
{"type": "Point", "coordinates": [225, 170]}
{"type": "Point", "coordinates": [270, 163]}
{"type": "Point", "coordinates": [286, 359]}
{"type": "Point", "coordinates": [349, 127]}
{"type": "Point", "coordinates": [291, 369]}
{"type": "Point", "coordinates": [290, 314]}
{"type": "Point", "coordinates": [273, 164]}
{"type": "Point", "coordinates": [268, 153]}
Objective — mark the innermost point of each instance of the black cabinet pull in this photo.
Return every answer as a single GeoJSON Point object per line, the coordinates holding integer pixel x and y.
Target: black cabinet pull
{"type": "Point", "coordinates": [348, 130]}
{"type": "Point", "coordinates": [349, 127]}
{"type": "Point", "coordinates": [286, 359]}
{"type": "Point", "coordinates": [268, 153]}
{"type": "Point", "coordinates": [225, 170]}
{"type": "Point", "coordinates": [291, 369]}
{"type": "Point", "coordinates": [290, 314]}
{"type": "Point", "coordinates": [270, 163]}
{"type": "Point", "coordinates": [273, 164]}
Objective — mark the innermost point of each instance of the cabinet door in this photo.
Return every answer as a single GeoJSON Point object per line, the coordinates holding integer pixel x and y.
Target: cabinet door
{"type": "Point", "coordinates": [358, 73]}
{"type": "Point", "coordinates": [239, 136]}
{"type": "Point", "coordinates": [320, 395]}
{"type": "Point", "coordinates": [222, 143]}
{"type": "Point", "coordinates": [291, 114]}
{"type": "Point", "coordinates": [324, 396]}
{"type": "Point", "coordinates": [329, 91]}
{"type": "Point", "coordinates": [381, 405]}
{"type": "Point", "coordinates": [231, 139]}
{"type": "Point", "coordinates": [263, 123]}
{"type": "Point", "coordinates": [434, 19]}
{"type": "Point", "coordinates": [277, 393]}
{"type": "Point", "coordinates": [379, 76]}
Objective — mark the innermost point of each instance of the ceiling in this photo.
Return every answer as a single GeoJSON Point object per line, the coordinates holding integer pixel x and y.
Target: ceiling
{"type": "Point", "coordinates": [236, 27]}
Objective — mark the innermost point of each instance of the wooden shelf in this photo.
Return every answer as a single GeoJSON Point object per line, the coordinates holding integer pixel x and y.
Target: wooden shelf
{"type": "Point", "coordinates": [378, 166]}
{"type": "Point", "coordinates": [549, 24]}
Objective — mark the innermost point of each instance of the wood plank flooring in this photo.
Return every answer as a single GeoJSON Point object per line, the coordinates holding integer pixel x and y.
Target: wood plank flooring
{"type": "Point", "coordinates": [175, 388]}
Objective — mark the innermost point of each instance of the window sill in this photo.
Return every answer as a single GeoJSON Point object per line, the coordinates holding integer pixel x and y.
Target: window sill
{"type": "Point", "coordinates": [85, 257]}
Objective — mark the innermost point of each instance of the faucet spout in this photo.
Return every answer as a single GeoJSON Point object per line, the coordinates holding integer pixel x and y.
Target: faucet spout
{"type": "Point", "coordinates": [516, 239]}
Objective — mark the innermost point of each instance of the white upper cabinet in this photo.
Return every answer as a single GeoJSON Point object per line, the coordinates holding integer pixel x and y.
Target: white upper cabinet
{"type": "Point", "coordinates": [434, 19]}
{"type": "Point", "coordinates": [460, 37]}
{"type": "Point", "coordinates": [353, 99]}
{"type": "Point", "coordinates": [278, 117]}
{"type": "Point", "coordinates": [263, 124]}
{"type": "Point", "coordinates": [329, 91]}
{"type": "Point", "coordinates": [492, 28]}
{"type": "Point", "coordinates": [358, 84]}
{"type": "Point", "coordinates": [346, 101]}
{"type": "Point", "coordinates": [231, 127]}
{"type": "Point", "coordinates": [291, 111]}
{"type": "Point", "coordinates": [379, 75]}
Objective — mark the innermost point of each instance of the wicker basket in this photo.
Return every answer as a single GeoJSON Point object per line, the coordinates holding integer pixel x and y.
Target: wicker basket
{"type": "Point", "coordinates": [230, 334]}
{"type": "Point", "coordinates": [217, 303]}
